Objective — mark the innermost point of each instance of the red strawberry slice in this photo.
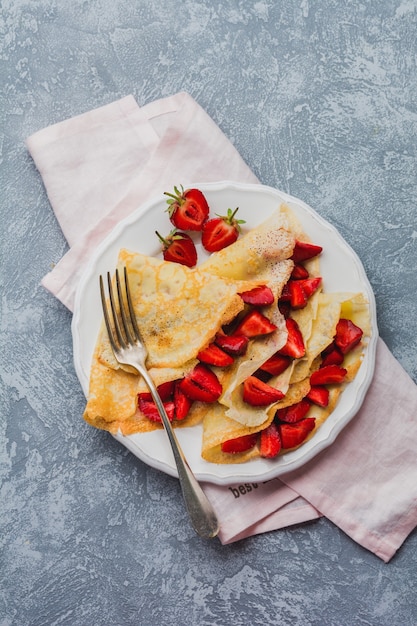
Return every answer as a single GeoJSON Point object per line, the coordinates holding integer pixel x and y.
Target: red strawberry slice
{"type": "Point", "coordinates": [213, 355]}
{"type": "Point", "coordinates": [240, 444]}
{"type": "Point", "coordinates": [255, 324]}
{"type": "Point", "coordinates": [201, 384]}
{"type": "Point", "coordinates": [149, 409]}
{"type": "Point", "coordinates": [221, 231]}
{"type": "Point", "coordinates": [302, 290]}
{"type": "Point", "coordinates": [293, 435]}
{"type": "Point", "coordinates": [165, 391]}
{"type": "Point", "coordinates": [276, 364]}
{"type": "Point", "coordinates": [258, 296]}
{"type": "Point", "coordinates": [270, 442]}
{"type": "Point", "coordinates": [319, 395]}
{"type": "Point", "coordinates": [284, 308]}
{"type": "Point", "coordinates": [310, 285]}
{"type": "Point", "coordinates": [178, 247]}
{"type": "Point", "coordinates": [235, 345]}
{"type": "Point", "coordinates": [294, 412]}
{"type": "Point", "coordinates": [286, 293]}
{"type": "Point", "coordinates": [328, 375]}
{"type": "Point", "coordinates": [188, 210]}
{"type": "Point", "coordinates": [299, 272]}
{"type": "Point", "coordinates": [298, 297]}
{"type": "Point", "coordinates": [295, 343]}
{"type": "Point", "coordinates": [145, 397]}
{"type": "Point", "coordinates": [348, 335]}
{"type": "Point", "coordinates": [304, 250]}
{"type": "Point", "coordinates": [332, 355]}
{"type": "Point", "coordinates": [182, 402]}
{"type": "Point", "coordinates": [258, 393]}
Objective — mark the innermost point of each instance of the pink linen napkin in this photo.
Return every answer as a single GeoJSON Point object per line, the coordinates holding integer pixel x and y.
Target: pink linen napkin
{"type": "Point", "coordinates": [100, 166]}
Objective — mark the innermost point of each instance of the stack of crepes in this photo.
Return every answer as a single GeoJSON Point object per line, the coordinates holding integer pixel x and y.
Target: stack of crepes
{"type": "Point", "coordinates": [181, 310]}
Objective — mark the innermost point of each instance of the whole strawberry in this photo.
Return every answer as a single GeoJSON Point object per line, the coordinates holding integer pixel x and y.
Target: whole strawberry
{"type": "Point", "coordinates": [178, 247]}
{"type": "Point", "coordinates": [188, 210]}
{"type": "Point", "coordinates": [221, 231]}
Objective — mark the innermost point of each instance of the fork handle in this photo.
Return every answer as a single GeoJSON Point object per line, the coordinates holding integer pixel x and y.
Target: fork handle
{"type": "Point", "coordinates": [202, 514]}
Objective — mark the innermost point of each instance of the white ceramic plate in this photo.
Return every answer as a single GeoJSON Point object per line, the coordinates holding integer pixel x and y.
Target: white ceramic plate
{"type": "Point", "coordinates": [341, 270]}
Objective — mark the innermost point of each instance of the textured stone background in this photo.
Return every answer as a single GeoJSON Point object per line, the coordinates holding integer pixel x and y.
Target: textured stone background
{"type": "Point", "coordinates": [319, 97]}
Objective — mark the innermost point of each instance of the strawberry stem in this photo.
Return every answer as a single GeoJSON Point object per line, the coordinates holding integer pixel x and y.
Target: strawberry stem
{"type": "Point", "coordinates": [230, 218]}
{"type": "Point", "coordinates": [174, 235]}
{"type": "Point", "coordinates": [177, 195]}
{"type": "Point", "coordinates": [231, 215]}
{"type": "Point", "coordinates": [163, 241]}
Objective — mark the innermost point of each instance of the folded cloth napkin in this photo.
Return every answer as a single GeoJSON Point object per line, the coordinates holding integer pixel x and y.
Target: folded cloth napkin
{"type": "Point", "coordinates": [100, 166]}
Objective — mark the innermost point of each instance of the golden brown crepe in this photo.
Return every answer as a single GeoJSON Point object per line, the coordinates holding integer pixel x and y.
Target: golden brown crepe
{"type": "Point", "coordinates": [174, 306]}
{"type": "Point", "coordinates": [180, 310]}
{"type": "Point", "coordinates": [258, 254]}
{"type": "Point", "coordinates": [218, 427]}
{"type": "Point", "coordinates": [317, 322]}
{"type": "Point", "coordinates": [276, 276]}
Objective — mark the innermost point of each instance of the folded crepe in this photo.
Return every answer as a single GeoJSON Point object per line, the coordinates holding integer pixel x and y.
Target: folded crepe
{"type": "Point", "coordinates": [179, 312]}
{"type": "Point", "coordinates": [233, 418]}
{"type": "Point", "coordinates": [176, 316]}
{"type": "Point", "coordinates": [218, 427]}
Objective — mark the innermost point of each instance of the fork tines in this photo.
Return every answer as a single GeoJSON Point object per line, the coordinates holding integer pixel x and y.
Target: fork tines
{"type": "Point", "coordinates": [122, 326]}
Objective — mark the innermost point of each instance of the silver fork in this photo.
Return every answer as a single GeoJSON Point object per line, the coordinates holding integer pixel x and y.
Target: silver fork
{"type": "Point", "coordinates": [129, 349]}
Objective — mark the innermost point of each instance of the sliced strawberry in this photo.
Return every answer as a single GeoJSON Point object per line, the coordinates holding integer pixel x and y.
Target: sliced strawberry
{"type": "Point", "coordinates": [258, 296]}
{"type": "Point", "coordinates": [188, 210]}
{"type": "Point", "coordinates": [221, 231]}
{"type": "Point", "coordinates": [261, 375]}
{"type": "Point", "coordinates": [182, 402]}
{"type": "Point", "coordinates": [201, 384]}
{"type": "Point", "coordinates": [348, 335]}
{"type": "Point", "coordinates": [328, 375]}
{"type": "Point", "coordinates": [299, 272]}
{"type": "Point", "coordinates": [332, 355]}
{"type": "Point", "coordinates": [145, 397]}
{"type": "Point", "coordinates": [319, 395]}
{"type": "Point", "coordinates": [298, 298]}
{"type": "Point", "coordinates": [302, 290]}
{"type": "Point", "coordinates": [240, 444]}
{"type": "Point", "coordinates": [270, 442]}
{"type": "Point", "coordinates": [284, 308]}
{"type": "Point", "coordinates": [294, 412]}
{"type": "Point", "coordinates": [255, 324]}
{"type": "Point", "coordinates": [310, 285]}
{"type": "Point", "coordinates": [258, 393]}
{"type": "Point", "coordinates": [294, 434]}
{"type": "Point", "coordinates": [149, 409]}
{"type": "Point", "coordinates": [178, 247]}
{"type": "Point", "coordinates": [213, 355]}
{"type": "Point", "coordinates": [235, 345]}
{"type": "Point", "coordinates": [276, 364]}
{"type": "Point", "coordinates": [286, 293]}
{"type": "Point", "coordinates": [165, 391]}
{"type": "Point", "coordinates": [295, 343]}
{"type": "Point", "coordinates": [304, 250]}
